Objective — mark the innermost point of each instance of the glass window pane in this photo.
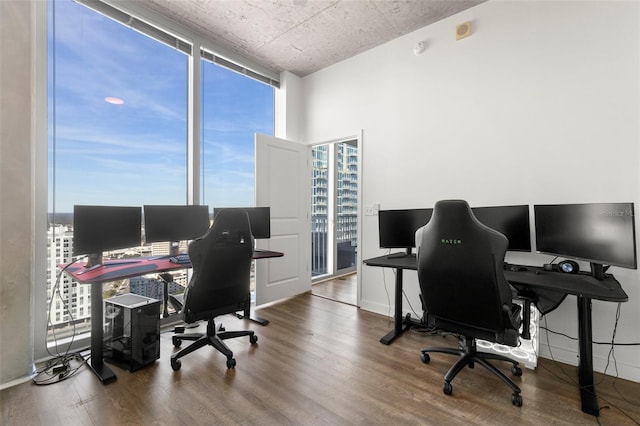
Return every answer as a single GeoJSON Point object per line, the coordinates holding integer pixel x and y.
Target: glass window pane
{"type": "Point", "coordinates": [347, 204]}
{"type": "Point", "coordinates": [319, 210]}
{"type": "Point", "coordinates": [117, 134]}
{"type": "Point", "coordinates": [233, 109]}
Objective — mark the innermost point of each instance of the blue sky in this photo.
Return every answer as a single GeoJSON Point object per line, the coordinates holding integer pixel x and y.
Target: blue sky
{"type": "Point", "coordinates": [135, 153]}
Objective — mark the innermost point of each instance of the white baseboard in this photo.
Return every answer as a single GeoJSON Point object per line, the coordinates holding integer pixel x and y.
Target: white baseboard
{"type": "Point", "coordinates": [14, 382]}
{"type": "Point", "coordinates": [624, 370]}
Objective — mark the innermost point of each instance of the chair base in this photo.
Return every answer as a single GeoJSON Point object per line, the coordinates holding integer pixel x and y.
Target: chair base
{"type": "Point", "coordinates": [469, 356]}
{"type": "Point", "coordinates": [213, 337]}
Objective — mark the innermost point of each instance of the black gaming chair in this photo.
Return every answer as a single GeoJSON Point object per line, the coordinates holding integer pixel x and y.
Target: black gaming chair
{"type": "Point", "coordinates": [460, 270]}
{"type": "Point", "coordinates": [219, 285]}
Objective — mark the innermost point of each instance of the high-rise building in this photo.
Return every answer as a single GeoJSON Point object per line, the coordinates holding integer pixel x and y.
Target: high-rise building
{"type": "Point", "coordinates": [71, 300]}
{"type": "Point", "coordinates": [152, 286]}
{"type": "Point", "coordinates": [319, 209]}
{"type": "Point", "coordinates": [347, 204]}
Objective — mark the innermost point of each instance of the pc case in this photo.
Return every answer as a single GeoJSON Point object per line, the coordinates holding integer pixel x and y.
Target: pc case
{"type": "Point", "coordinates": [132, 331]}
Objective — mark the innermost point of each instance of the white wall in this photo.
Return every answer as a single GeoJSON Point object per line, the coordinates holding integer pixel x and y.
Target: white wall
{"type": "Point", "coordinates": [539, 105]}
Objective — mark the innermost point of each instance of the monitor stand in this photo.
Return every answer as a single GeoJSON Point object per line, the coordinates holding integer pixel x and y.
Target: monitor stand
{"type": "Point", "coordinates": [94, 260]}
{"type": "Point", "coordinates": [597, 271]}
{"type": "Point", "coordinates": [174, 248]}
{"type": "Point", "coordinates": [400, 254]}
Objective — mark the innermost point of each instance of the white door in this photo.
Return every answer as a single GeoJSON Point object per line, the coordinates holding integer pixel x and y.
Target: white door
{"type": "Point", "coordinates": [283, 183]}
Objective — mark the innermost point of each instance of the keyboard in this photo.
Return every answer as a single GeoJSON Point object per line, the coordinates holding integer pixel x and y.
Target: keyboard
{"type": "Point", "coordinates": [180, 259]}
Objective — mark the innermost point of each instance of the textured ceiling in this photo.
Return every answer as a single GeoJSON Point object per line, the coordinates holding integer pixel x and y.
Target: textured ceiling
{"type": "Point", "coordinates": [303, 36]}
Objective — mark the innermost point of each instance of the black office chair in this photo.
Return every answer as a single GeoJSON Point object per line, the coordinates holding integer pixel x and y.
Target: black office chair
{"type": "Point", "coordinates": [460, 271]}
{"type": "Point", "coordinates": [219, 285]}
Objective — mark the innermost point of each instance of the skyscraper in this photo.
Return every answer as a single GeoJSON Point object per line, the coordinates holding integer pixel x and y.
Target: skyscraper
{"type": "Point", "coordinates": [69, 301]}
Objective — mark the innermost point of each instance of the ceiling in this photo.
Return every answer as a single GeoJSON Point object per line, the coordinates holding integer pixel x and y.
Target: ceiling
{"type": "Point", "coordinates": [304, 36]}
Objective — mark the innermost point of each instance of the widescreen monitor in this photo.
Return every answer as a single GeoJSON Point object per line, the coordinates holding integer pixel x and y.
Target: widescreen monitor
{"type": "Point", "coordinates": [600, 233]}
{"type": "Point", "coordinates": [259, 218]}
{"type": "Point", "coordinates": [511, 221]}
{"type": "Point", "coordinates": [174, 223]}
{"type": "Point", "coordinates": [97, 229]}
{"type": "Point", "coordinates": [397, 228]}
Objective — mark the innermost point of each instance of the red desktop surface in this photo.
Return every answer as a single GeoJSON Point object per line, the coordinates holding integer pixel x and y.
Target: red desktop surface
{"type": "Point", "coordinates": [118, 269]}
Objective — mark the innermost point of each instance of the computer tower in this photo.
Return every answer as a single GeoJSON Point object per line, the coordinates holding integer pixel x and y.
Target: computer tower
{"type": "Point", "coordinates": [132, 331]}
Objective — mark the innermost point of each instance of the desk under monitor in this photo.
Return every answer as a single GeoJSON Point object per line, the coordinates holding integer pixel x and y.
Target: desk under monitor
{"type": "Point", "coordinates": [584, 287]}
{"type": "Point", "coordinates": [112, 270]}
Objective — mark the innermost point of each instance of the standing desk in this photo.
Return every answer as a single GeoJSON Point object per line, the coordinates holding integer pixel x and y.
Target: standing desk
{"type": "Point", "coordinates": [112, 270]}
{"type": "Point", "coordinates": [532, 278]}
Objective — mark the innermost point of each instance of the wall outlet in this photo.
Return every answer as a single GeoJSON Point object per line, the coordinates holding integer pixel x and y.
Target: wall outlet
{"type": "Point", "coordinates": [371, 209]}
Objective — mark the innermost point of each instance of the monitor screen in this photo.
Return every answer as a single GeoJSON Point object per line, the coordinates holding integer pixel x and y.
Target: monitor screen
{"type": "Point", "coordinates": [259, 217]}
{"type": "Point", "coordinates": [397, 228]}
{"type": "Point", "coordinates": [601, 233]}
{"type": "Point", "coordinates": [512, 221]}
{"type": "Point", "coordinates": [175, 222]}
{"type": "Point", "coordinates": [97, 229]}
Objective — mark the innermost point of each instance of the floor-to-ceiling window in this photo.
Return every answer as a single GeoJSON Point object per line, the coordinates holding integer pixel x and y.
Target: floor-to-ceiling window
{"type": "Point", "coordinates": [118, 134]}
{"type": "Point", "coordinates": [334, 208]}
{"type": "Point", "coordinates": [233, 109]}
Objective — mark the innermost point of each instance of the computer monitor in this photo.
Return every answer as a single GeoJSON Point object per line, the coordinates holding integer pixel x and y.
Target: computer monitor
{"type": "Point", "coordinates": [600, 233]}
{"type": "Point", "coordinates": [511, 221]}
{"type": "Point", "coordinates": [397, 228]}
{"type": "Point", "coordinates": [259, 218]}
{"type": "Point", "coordinates": [175, 223]}
{"type": "Point", "coordinates": [97, 229]}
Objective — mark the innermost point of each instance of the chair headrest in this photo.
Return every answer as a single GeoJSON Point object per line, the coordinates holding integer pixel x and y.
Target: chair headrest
{"type": "Point", "coordinates": [231, 226]}
{"type": "Point", "coordinates": [453, 210]}
{"type": "Point", "coordinates": [453, 221]}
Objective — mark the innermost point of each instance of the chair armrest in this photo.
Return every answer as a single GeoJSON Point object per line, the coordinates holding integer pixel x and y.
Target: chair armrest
{"type": "Point", "coordinates": [512, 315]}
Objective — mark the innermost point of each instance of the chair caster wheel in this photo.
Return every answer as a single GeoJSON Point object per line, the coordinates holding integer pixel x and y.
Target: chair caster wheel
{"type": "Point", "coordinates": [231, 363]}
{"type": "Point", "coordinates": [425, 358]}
{"type": "Point", "coordinates": [516, 371]}
{"type": "Point", "coordinates": [176, 364]}
{"type": "Point", "coordinates": [253, 339]}
{"type": "Point", "coordinates": [447, 388]}
{"type": "Point", "coordinates": [516, 400]}
{"type": "Point", "coordinates": [176, 341]}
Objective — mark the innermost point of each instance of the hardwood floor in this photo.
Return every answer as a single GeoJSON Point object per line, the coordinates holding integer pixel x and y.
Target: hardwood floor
{"type": "Point", "coordinates": [317, 363]}
{"type": "Point", "coordinates": [343, 289]}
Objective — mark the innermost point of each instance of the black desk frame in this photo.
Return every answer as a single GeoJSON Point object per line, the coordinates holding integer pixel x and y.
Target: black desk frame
{"type": "Point", "coordinates": [584, 287]}
{"type": "Point", "coordinates": [96, 278]}
{"type": "Point", "coordinates": [398, 263]}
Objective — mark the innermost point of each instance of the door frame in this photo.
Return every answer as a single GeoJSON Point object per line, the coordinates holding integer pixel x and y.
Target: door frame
{"type": "Point", "coordinates": [358, 137]}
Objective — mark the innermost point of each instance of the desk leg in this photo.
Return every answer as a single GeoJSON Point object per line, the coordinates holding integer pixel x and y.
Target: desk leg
{"type": "Point", "coordinates": [246, 314]}
{"type": "Point", "coordinates": [585, 364]}
{"type": "Point", "coordinates": [96, 363]}
{"type": "Point", "coordinates": [398, 324]}
{"type": "Point", "coordinates": [165, 299]}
